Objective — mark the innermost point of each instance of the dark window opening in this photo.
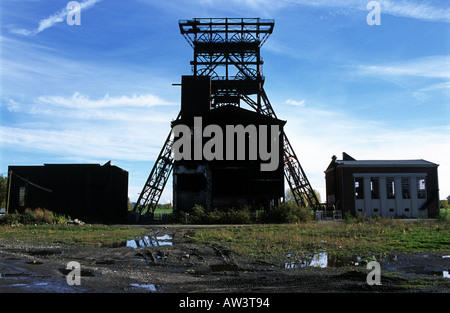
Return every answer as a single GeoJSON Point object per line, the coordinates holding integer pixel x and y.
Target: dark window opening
{"type": "Point", "coordinates": [22, 191]}
{"type": "Point", "coordinates": [421, 188]}
{"type": "Point", "coordinates": [359, 188]}
{"type": "Point", "coordinates": [390, 188]}
{"type": "Point", "coordinates": [374, 187]}
{"type": "Point", "coordinates": [405, 188]}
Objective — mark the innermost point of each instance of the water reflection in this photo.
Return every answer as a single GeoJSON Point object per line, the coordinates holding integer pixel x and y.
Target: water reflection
{"type": "Point", "coordinates": [150, 241]}
{"type": "Point", "coordinates": [321, 260]}
{"type": "Point", "coordinates": [149, 287]}
{"type": "Point", "coordinates": [316, 260]}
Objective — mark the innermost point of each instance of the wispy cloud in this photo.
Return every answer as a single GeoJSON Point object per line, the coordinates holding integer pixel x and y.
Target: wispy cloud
{"type": "Point", "coordinates": [406, 8]}
{"type": "Point", "coordinates": [81, 144]}
{"type": "Point", "coordinates": [79, 101]}
{"type": "Point", "coordinates": [57, 17]}
{"type": "Point", "coordinates": [295, 102]}
{"type": "Point", "coordinates": [431, 67]}
{"type": "Point", "coordinates": [119, 128]}
{"type": "Point", "coordinates": [425, 92]}
{"type": "Point", "coordinates": [415, 9]}
{"type": "Point", "coordinates": [82, 107]}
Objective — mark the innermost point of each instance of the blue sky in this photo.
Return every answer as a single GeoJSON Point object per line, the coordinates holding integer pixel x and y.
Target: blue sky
{"type": "Point", "coordinates": [103, 90]}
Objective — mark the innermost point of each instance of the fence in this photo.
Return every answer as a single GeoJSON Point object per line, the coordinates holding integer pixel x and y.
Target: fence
{"type": "Point", "coordinates": [328, 215]}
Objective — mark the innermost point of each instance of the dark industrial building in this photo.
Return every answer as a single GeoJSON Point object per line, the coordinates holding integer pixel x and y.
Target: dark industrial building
{"type": "Point", "coordinates": [388, 188]}
{"type": "Point", "coordinates": [89, 192]}
{"type": "Point", "coordinates": [223, 183]}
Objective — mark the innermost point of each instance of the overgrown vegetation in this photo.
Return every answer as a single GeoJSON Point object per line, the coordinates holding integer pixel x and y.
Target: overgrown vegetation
{"type": "Point", "coordinates": [36, 216]}
{"type": "Point", "coordinates": [444, 216]}
{"type": "Point", "coordinates": [363, 238]}
{"type": "Point", "coordinates": [42, 227]}
{"type": "Point", "coordinates": [285, 212]}
{"type": "Point", "coordinates": [92, 235]}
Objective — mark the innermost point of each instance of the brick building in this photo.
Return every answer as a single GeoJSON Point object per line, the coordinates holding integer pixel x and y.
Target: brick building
{"type": "Point", "coordinates": [389, 188]}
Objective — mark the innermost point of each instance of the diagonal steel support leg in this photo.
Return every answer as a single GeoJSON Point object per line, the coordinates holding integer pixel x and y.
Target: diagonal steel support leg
{"type": "Point", "coordinates": [298, 182]}
{"type": "Point", "coordinates": [153, 188]}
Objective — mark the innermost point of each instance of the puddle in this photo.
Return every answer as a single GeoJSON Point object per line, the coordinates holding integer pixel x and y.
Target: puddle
{"type": "Point", "coordinates": [14, 275]}
{"type": "Point", "coordinates": [431, 267]}
{"type": "Point", "coordinates": [105, 262]}
{"type": "Point", "coordinates": [34, 262]}
{"type": "Point", "coordinates": [83, 273]}
{"type": "Point", "coordinates": [321, 260]}
{"type": "Point", "coordinates": [43, 252]}
{"type": "Point", "coordinates": [150, 241]}
{"type": "Point", "coordinates": [424, 271]}
{"type": "Point", "coordinates": [223, 267]}
{"type": "Point", "coordinates": [149, 287]}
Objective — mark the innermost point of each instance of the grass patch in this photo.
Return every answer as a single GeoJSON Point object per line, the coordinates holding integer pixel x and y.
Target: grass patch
{"type": "Point", "coordinates": [68, 235]}
{"type": "Point", "coordinates": [274, 242]}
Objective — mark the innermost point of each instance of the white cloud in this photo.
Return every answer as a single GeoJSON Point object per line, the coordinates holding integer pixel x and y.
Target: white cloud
{"type": "Point", "coordinates": [53, 19]}
{"type": "Point", "coordinates": [80, 144]}
{"type": "Point", "coordinates": [295, 102]}
{"type": "Point", "coordinates": [409, 9]}
{"type": "Point", "coordinates": [412, 9]}
{"type": "Point", "coordinates": [405, 8]}
{"type": "Point", "coordinates": [12, 106]}
{"type": "Point", "coordinates": [145, 107]}
{"type": "Point", "coordinates": [430, 67]}
{"type": "Point", "coordinates": [425, 92]}
{"type": "Point", "coordinates": [79, 101]}
{"type": "Point", "coordinates": [121, 128]}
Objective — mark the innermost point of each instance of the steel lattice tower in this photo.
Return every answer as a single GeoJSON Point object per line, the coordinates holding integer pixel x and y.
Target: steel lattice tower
{"type": "Point", "coordinates": [228, 51]}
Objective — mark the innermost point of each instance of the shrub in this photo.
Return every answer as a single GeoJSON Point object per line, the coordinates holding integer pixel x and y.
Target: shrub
{"type": "Point", "coordinates": [37, 216]}
{"type": "Point", "coordinates": [444, 216]}
{"type": "Point", "coordinates": [11, 219]}
{"type": "Point", "coordinates": [44, 216]}
{"type": "Point", "coordinates": [198, 215]}
{"type": "Point", "coordinates": [289, 212]}
{"type": "Point", "coordinates": [28, 217]}
{"type": "Point", "coordinates": [348, 218]}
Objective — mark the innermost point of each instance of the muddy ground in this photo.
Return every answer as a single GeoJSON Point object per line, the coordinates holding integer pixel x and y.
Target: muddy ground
{"type": "Point", "coordinates": [169, 262]}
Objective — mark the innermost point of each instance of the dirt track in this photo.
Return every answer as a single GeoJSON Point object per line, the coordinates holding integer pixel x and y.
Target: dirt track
{"type": "Point", "coordinates": [169, 262]}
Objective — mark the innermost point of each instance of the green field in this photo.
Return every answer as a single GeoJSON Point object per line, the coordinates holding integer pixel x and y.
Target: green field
{"type": "Point", "coordinates": [68, 235]}
{"type": "Point", "coordinates": [274, 242]}
{"type": "Point", "coordinates": [259, 241]}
